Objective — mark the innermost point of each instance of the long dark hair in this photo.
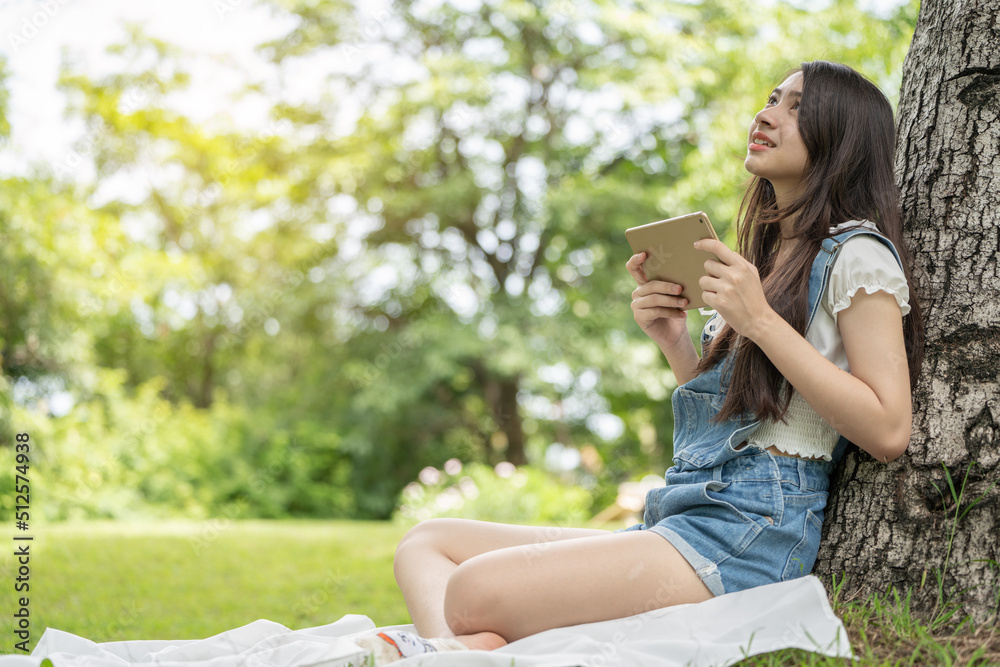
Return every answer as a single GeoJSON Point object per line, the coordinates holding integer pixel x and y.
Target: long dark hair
{"type": "Point", "coordinates": [847, 127]}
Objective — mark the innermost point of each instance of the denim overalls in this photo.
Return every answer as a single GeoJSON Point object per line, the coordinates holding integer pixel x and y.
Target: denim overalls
{"type": "Point", "coordinates": [742, 517]}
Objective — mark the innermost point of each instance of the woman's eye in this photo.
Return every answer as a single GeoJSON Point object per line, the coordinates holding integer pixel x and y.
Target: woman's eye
{"type": "Point", "coordinates": [772, 100]}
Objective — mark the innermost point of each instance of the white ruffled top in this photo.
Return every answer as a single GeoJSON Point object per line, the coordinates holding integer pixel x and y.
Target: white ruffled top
{"type": "Point", "coordinates": [863, 263]}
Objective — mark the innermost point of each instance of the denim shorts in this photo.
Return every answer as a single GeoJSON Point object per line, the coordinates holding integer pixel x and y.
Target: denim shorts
{"type": "Point", "coordinates": [752, 520]}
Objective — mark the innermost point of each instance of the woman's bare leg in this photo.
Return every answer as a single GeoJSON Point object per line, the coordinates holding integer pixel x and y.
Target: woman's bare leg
{"type": "Point", "coordinates": [430, 553]}
{"type": "Point", "coordinates": [521, 590]}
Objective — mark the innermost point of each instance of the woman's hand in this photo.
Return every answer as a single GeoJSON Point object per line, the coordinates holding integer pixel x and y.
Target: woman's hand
{"type": "Point", "coordinates": [657, 306]}
{"type": "Point", "coordinates": [732, 287]}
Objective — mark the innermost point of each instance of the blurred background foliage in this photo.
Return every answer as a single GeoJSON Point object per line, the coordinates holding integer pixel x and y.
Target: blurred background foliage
{"type": "Point", "coordinates": [421, 262]}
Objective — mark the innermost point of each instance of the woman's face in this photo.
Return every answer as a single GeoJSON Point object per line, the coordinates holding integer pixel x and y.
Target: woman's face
{"type": "Point", "coordinates": [775, 150]}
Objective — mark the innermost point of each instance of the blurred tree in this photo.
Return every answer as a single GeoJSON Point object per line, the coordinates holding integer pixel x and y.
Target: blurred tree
{"type": "Point", "coordinates": [178, 252]}
{"type": "Point", "coordinates": [54, 250]}
{"type": "Point", "coordinates": [219, 236]}
{"type": "Point", "coordinates": [496, 153]}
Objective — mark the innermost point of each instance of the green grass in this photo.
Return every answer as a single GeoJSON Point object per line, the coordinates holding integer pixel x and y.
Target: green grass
{"type": "Point", "coordinates": [112, 581]}
{"type": "Point", "coordinates": [884, 633]}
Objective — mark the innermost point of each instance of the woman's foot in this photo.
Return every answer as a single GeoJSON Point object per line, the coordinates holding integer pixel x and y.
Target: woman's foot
{"type": "Point", "coordinates": [482, 641]}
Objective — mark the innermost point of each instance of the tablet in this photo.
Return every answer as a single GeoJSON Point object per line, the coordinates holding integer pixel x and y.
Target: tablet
{"type": "Point", "coordinates": [671, 256]}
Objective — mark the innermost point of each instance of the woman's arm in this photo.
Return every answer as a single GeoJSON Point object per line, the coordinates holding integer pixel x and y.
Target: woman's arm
{"type": "Point", "coordinates": [871, 405]}
{"type": "Point", "coordinates": [683, 359]}
{"type": "Point", "coordinates": [656, 305]}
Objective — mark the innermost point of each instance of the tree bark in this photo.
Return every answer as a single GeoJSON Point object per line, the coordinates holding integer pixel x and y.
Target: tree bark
{"type": "Point", "coordinates": [900, 523]}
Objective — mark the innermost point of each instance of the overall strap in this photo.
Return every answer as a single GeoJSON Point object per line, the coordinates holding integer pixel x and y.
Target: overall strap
{"type": "Point", "coordinates": [819, 277]}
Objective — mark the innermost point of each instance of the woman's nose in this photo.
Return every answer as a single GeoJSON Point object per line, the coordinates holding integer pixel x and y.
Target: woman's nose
{"type": "Point", "coordinates": [762, 117]}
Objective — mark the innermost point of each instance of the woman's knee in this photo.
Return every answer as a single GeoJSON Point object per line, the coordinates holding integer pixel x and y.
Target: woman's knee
{"type": "Point", "coordinates": [474, 597]}
{"type": "Point", "coordinates": [429, 532]}
{"type": "Point", "coordinates": [428, 535]}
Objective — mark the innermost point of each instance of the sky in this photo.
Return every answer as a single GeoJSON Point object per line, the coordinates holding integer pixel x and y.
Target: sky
{"type": "Point", "coordinates": [33, 33]}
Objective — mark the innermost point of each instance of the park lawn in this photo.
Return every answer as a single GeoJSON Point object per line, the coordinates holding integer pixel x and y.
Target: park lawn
{"type": "Point", "coordinates": [112, 581]}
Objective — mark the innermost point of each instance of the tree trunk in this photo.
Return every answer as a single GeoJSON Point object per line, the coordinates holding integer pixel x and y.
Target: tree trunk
{"type": "Point", "coordinates": [509, 419]}
{"type": "Point", "coordinates": [207, 373]}
{"type": "Point", "coordinates": [500, 395]}
{"type": "Point", "coordinates": [901, 523]}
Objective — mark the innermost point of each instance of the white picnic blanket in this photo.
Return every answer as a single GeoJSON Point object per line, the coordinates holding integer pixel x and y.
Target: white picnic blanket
{"type": "Point", "coordinates": [716, 633]}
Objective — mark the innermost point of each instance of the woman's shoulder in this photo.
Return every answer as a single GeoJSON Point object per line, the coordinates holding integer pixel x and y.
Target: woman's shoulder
{"type": "Point", "coordinates": [862, 251]}
{"type": "Point", "coordinates": [865, 262]}
{"type": "Point", "coordinates": [855, 224]}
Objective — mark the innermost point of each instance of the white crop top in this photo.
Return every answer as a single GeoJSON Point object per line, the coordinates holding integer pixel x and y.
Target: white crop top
{"type": "Point", "coordinates": [863, 262]}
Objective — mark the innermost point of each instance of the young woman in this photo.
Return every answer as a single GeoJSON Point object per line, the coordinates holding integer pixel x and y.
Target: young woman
{"type": "Point", "coordinates": [816, 340]}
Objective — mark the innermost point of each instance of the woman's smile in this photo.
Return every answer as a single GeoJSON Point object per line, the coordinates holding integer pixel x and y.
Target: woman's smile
{"type": "Point", "coordinates": [760, 142]}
